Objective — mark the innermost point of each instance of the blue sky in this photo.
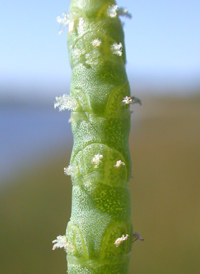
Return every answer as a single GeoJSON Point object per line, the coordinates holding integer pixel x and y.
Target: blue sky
{"type": "Point", "coordinates": [162, 41]}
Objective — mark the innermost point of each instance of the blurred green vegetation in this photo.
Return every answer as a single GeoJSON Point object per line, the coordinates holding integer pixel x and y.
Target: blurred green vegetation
{"type": "Point", "coordinates": [165, 150]}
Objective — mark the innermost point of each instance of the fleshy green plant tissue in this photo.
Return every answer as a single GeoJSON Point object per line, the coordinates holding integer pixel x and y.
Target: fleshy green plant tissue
{"type": "Point", "coordinates": [99, 235]}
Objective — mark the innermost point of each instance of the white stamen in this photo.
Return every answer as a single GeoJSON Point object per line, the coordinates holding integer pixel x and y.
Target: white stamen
{"type": "Point", "coordinates": [66, 20]}
{"type": "Point", "coordinates": [136, 237]}
{"type": "Point", "coordinates": [120, 240]}
{"type": "Point", "coordinates": [117, 49]}
{"type": "Point", "coordinates": [131, 100]}
{"type": "Point", "coordinates": [61, 242]}
{"type": "Point", "coordinates": [66, 102]}
{"type": "Point", "coordinates": [71, 170]}
{"type": "Point", "coordinates": [119, 163]}
{"type": "Point", "coordinates": [97, 160]}
{"type": "Point", "coordinates": [127, 100]}
{"type": "Point", "coordinates": [96, 43]}
{"type": "Point", "coordinates": [124, 12]}
{"type": "Point", "coordinates": [112, 11]}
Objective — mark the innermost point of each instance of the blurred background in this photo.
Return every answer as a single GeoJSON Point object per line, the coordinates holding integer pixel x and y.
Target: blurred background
{"type": "Point", "coordinates": [163, 52]}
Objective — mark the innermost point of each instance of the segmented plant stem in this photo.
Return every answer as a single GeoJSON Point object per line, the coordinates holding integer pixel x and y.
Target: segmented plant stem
{"type": "Point", "coordinates": [99, 234]}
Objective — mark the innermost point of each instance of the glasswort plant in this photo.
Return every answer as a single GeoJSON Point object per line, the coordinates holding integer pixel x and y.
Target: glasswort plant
{"type": "Point", "coordinates": [99, 235]}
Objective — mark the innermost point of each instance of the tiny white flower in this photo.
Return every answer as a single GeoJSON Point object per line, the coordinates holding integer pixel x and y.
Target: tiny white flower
{"type": "Point", "coordinates": [117, 49]}
{"type": "Point", "coordinates": [112, 11]}
{"type": "Point", "coordinates": [96, 43]}
{"type": "Point", "coordinates": [127, 100]}
{"type": "Point", "coordinates": [70, 170]}
{"type": "Point", "coordinates": [131, 100]}
{"type": "Point", "coordinates": [60, 242]}
{"type": "Point", "coordinates": [120, 240]}
{"type": "Point", "coordinates": [119, 163]}
{"type": "Point", "coordinates": [66, 20]}
{"type": "Point", "coordinates": [66, 102]}
{"type": "Point", "coordinates": [97, 160]}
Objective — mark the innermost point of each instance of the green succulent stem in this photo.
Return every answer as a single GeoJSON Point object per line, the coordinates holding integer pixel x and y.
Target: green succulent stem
{"type": "Point", "coordinates": [99, 235]}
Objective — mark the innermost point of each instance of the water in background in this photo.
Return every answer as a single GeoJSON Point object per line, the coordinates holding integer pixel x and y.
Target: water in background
{"type": "Point", "coordinates": [28, 133]}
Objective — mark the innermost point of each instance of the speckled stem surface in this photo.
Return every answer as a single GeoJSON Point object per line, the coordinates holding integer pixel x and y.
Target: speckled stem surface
{"type": "Point", "coordinates": [100, 125]}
